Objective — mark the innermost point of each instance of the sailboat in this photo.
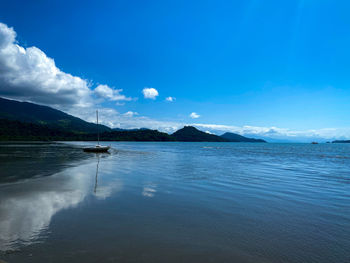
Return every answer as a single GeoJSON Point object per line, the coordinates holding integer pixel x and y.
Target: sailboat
{"type": "Point", "coordinates": [98, 148]}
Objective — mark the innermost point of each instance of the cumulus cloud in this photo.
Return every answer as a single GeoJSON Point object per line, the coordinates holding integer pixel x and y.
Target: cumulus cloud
{"type": "Point", "coordinates": [150, 93]}
{"type": "Point", "coordinates": [194, 115]}
{"type": "Point", "coordinates": [28, 74]}
{"type": "Point", "coordinates": [104, 91]}
{"type": "Point", "coordinates": [130, 113]}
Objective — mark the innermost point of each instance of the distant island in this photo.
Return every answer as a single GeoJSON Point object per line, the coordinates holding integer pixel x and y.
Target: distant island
{"type": "Point", "coordinates": [341, 141]}
{"type": "Point", "coordinates": [233, 137]}
{"type": "Point", "coordinates": [21, 121]}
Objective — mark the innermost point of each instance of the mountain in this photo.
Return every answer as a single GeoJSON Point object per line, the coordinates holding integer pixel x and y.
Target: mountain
{"type": "Point", "coordinates": [136, 135]}
{"type": "Point", "coordinates": [191, 134]}
{"type": "Point", "coordinates": [29, 121]}
{"type": "Point", "coordinates": [43, 115]}
{"type": "Point", "coordinates": [233, 137]}
{"type": "Point", "coordinates": [12, 130]}
{"type": "Point", "coordinates": [136, 129]}
{"type": "Point", "coordinates": [341, 141]}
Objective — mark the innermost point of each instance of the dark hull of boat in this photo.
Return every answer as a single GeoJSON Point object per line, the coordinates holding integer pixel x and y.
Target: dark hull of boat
{"type": "Point", "coordinates": [96, 149]}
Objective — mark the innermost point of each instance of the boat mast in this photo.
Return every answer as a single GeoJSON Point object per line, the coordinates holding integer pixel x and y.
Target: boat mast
{"type": "Point", "coordinates": [98, 133]}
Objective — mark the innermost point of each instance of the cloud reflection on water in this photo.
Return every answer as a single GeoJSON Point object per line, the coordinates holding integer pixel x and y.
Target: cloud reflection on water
{"type": "Point", "coordinates": [27, 208]}
{"type": "Point", "coordinates": [149, 190]}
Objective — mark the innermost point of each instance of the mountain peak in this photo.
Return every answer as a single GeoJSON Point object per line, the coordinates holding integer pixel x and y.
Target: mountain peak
{"type": "Point", "coordinates": [192, 134]}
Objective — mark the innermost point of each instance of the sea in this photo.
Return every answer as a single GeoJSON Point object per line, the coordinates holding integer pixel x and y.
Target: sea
{"type": "Point", "coordinates": [175, 202]}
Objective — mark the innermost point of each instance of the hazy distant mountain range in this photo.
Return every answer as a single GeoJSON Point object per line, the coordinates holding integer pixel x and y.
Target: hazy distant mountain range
{"type": "Point", "coordinates": [341, 141]}
{"type": "Point", "coordinates": [233, 137]}
{"type": "Point", "coordinates": [29, 121]}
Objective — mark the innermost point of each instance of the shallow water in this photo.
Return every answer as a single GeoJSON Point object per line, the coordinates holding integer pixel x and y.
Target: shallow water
{"type": "Point", "coordinates": [175, 202]}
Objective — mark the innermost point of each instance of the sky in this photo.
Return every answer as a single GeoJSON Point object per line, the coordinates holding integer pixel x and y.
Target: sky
{"type": "Point", "coordinates": [265, 68]}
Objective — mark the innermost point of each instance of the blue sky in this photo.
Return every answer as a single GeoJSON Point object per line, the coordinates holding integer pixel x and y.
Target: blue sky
{"type": "Point", "coordinates": [259, 63]}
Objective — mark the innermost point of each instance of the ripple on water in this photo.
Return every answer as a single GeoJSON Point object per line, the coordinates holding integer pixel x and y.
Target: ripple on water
{"type": "Point", "coordinates": [171, 202]}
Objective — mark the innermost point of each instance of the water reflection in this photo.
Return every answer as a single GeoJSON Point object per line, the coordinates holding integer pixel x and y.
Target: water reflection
{"type": "Point", "coordinates": [98, 162]}
{"type": "Point", "coordinates": [182, 202]}
{"type": "Point", "coordinates": [27, 207]}
{"type": "Point", "coordinates": [149, 190]}
{"type": "Point", "coordinates": [107, 188]}
{"type": "Point", "coordinates": [21, 161]}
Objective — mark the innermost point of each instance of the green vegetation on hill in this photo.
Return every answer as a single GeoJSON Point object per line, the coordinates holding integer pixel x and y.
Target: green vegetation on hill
{"type": "Point", "coordinates": [20, 121]}
{"type": "Point", "coordinates": [22, 131]}
{"type": "Point", "coordinates": [37, 114]}
{"type": "Point", "coordinates": [12, 130]}
{"type": "Point", "coordinates": [136, 135]}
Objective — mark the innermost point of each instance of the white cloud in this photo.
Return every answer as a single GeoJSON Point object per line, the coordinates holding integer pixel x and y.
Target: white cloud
{"type": "Point", "coordinates": [150, 93]}
{"type": "Point", "coordinates": [112, 118]}
{"type": "Point", "coordinates": [279, 133]}
{"type": "Point", "coordinates": [194, 115]}
{"type": "Point", "coordinates": [28, 74]}
{"type": "Point", "coordinates": [104, 91]}
{"type": "Point", "coordinates": [130, 113]}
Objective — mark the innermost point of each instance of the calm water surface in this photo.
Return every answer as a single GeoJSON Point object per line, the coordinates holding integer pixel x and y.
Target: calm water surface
{"type": "Point", "coordinates": [175, 202]}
